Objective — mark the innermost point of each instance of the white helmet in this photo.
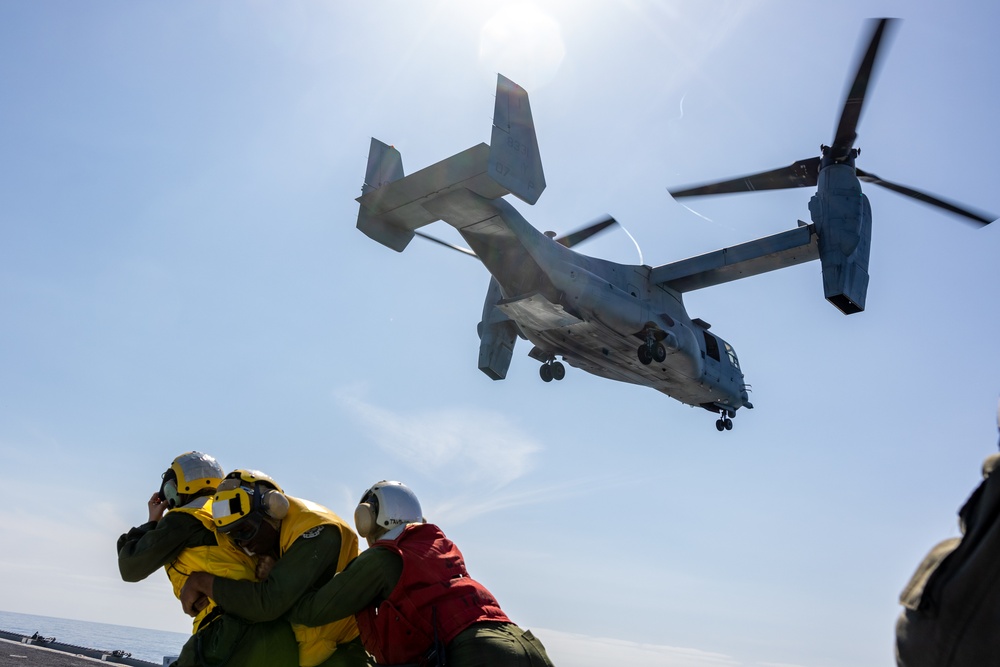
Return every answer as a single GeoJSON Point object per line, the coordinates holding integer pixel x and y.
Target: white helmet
{"type": "Point", "coordinates": [384, 506]}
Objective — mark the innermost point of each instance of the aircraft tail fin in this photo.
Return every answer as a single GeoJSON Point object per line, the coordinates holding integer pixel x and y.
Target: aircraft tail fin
{"type": "Point", "coordinates": [385, 165]}
{"type": "Point", "coordinates": [515, 162]}
{"type": "Point", "coordinates": [458, 189]}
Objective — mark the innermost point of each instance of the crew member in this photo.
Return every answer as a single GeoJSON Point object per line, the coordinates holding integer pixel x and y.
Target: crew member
{"type": "Point", "coordinates": [302, 544]}
{"type": "Point", "coordinates": [951, 605]}
{"type": "Point", "coordinates": [183, 540]}
{"type": "Point", "coordinates": [414, 601]}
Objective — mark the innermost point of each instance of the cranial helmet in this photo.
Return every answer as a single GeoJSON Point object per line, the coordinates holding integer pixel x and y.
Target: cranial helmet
{"type": "Point", "coordinates": [190, 473]}
{"type": "Point", "coordinates": [385, 506]}
{"type": "Point", "coordinates": [244, 499]}
{"type": "Point", "coordinates": [246, 477]}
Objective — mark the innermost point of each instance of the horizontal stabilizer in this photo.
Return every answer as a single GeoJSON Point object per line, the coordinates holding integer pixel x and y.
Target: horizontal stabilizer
{"type": "Point", "coordinates": [395, 209]}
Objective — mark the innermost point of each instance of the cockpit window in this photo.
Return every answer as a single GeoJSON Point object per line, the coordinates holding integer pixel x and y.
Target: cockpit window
{"type": "Point", "coordinates": [711, 346]}
{"type": "Point", "coordinates": [732, 356]}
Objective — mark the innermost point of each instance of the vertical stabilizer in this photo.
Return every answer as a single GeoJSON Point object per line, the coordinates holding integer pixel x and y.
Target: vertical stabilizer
{"type": "Point", "coordinates": [515, 162]}
{"type": "Point", "coordinates": [385, 165]}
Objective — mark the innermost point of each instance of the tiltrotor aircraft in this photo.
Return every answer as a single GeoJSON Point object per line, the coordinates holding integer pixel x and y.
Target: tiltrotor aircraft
{"type": "Point", "coordinates": [622, 322]}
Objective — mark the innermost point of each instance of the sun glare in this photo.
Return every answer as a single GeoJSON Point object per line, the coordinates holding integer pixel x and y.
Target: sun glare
{"type": "Point", "coordinates": [522, 43]}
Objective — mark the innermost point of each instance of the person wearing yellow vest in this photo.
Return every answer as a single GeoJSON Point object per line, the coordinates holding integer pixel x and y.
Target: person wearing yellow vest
{"type": "Point", "coordinates": [180, 537]}
{"type": "Point", "coordinates": [300, 545]}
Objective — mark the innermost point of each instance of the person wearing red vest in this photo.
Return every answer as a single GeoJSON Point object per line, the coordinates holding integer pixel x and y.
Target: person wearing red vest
{"type": "Point", "coordinates": [413, 598]}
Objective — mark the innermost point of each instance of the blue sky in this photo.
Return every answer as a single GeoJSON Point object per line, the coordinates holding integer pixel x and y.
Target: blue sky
{"type": "Point", "coordinates": [179, 269]}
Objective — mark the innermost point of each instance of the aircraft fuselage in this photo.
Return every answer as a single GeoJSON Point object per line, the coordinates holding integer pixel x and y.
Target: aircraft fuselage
{"type": "Point", "coordinates": [595, 314]}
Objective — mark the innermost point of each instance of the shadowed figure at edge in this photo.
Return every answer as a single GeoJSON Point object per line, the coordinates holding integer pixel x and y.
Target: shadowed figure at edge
{"type": "Point", "coordinates": [951, 615]}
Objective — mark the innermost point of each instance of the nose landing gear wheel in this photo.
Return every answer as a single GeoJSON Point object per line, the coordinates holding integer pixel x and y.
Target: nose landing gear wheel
{"type": "Point", "coordinates": [724, 424]}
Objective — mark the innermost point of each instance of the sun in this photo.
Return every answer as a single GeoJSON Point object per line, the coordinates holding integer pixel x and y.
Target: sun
{"type": "Point", "coordinates": [522, 43]}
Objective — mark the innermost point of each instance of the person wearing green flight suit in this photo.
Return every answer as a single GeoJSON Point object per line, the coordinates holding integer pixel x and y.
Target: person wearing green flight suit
{"type": "Point", "coordinates": [412, 596]}
{"type": "Point", "coordinates": [180, 537]}
{"type": "Point", "coordinates": [301, 544]}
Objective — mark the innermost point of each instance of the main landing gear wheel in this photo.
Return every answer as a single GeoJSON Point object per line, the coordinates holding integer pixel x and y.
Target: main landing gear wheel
{"type": "Point", "coordinates": [551, 370]}
{"type": "Point", "coordinates": [650, 353]}
{"type": "Point", "coordinates": [645, 356]}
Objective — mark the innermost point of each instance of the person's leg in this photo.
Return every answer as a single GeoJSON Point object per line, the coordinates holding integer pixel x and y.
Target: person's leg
{"type": "Point", "coordinates": [349, 654]}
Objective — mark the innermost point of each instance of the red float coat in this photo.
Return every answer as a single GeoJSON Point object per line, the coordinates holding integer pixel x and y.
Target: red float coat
{"type": "Point", "coordinates": [434, 593]}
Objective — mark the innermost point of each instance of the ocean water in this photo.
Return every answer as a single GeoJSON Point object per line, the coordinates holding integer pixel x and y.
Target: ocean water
{"type": "Point", "coordinates": [142, 643]}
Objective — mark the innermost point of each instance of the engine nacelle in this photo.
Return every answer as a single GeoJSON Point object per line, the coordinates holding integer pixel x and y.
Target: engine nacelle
{"type": "Point", "coordinates": [497, 336]}
{"type": "Point", "coordinates": [843, 219]}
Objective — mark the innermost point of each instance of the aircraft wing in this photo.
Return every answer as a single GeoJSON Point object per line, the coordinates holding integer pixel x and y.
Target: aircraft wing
{"type": "Point", "coordinates": [769, 253]}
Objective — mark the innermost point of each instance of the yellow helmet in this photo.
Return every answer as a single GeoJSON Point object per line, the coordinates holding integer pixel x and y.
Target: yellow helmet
{"type": "Point", "coordinates": [243, 500]}
{"type": "Point", "coordinates": [247, 477]}
{"type": "Point", "coordinates": [189, 474]}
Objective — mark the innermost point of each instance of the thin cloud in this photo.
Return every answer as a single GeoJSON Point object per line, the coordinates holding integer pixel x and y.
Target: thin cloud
{"type": "Point", "coordinates": [469, 506]}
{"type": "Point", "coordinates": [488, 448]}
{"type": "Point", "coordinates": [483, 454]}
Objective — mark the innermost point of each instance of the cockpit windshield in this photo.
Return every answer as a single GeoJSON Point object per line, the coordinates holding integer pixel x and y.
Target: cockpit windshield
{"type": "Point", "coordinates": [732, 356]}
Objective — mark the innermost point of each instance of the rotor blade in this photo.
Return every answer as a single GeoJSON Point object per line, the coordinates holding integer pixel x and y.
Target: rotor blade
{"type": "Point", "coordinates": [459, 248]}
{"type": "Point", "coordinates": [981, 218]}
{"type": "Point", "coordinates": [847, 128]}
{"type": "Point", "coordinates": [800, 174]}
{"type": "Point", "coordinates": [573, 238]}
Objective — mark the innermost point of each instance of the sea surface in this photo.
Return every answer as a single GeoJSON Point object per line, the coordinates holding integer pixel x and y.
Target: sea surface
{"type": "Point", "coordinates": [142, 643]}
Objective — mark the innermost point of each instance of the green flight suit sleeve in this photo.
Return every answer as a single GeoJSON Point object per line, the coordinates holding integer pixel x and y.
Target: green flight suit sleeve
{"type": "Point", "coordinates": [146, 548]}
{"type": "Point", "coordinates": [367, 580]}
{"type": "Point", "coordinates": [308, 563]}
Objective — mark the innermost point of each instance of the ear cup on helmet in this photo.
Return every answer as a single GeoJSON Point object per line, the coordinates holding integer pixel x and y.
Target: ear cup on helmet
{"type": "Point", "coordinates": [364, 519]}
{"type": "Point", "coordinates": [274, 504]}
{"type": "Point", "coordinates": [168, 491]}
